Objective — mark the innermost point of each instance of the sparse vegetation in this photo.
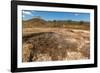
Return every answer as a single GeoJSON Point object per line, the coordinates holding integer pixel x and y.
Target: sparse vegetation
{"type": "Point", "coordinates": [55, 40]}
{"type": "Point", "coordinates": [36, 22]}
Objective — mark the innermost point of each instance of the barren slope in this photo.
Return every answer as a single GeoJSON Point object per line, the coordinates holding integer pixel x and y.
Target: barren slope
{"type": "Point", "coordinates": [46, 44]}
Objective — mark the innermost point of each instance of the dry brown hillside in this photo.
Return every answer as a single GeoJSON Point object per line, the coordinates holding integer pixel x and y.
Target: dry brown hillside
{"type": "Point", "coordinates": [34, 23]}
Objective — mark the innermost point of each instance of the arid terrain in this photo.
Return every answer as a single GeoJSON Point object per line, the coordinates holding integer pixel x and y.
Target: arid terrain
{"type": "Point", "coordinates": [54, 43]}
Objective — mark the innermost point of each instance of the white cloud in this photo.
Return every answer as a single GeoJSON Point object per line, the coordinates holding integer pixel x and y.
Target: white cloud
{"type": "Point", "coordinates": [27, 12]}
{"type": "Point", "coordinates": [76, 14]}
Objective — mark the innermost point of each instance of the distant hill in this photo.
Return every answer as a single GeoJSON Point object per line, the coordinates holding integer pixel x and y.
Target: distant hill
{"type": "Point", "coordinates": [34, 22]}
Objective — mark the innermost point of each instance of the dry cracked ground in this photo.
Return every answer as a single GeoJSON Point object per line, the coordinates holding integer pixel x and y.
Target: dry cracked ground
{"type": "Point", "coordinates": [52, 44]}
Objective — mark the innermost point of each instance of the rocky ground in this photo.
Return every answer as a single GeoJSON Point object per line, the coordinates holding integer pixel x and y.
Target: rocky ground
{"type": "Point", "coordinates": [52, 44]}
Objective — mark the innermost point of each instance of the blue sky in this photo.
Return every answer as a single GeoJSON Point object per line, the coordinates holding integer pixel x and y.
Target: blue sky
{"type": "Point", "coordinates": [48, 15]}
